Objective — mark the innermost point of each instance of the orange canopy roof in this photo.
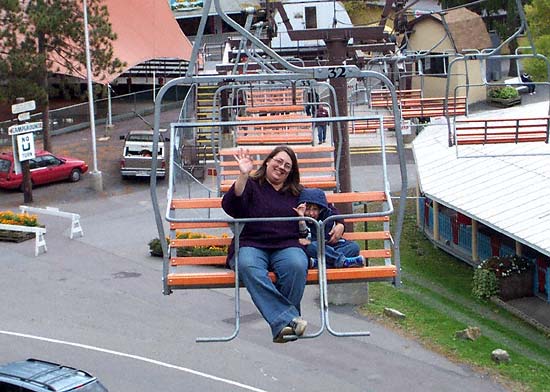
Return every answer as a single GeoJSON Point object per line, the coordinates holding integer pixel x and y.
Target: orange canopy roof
{"type": "Point", "coordinates": [146, 30]}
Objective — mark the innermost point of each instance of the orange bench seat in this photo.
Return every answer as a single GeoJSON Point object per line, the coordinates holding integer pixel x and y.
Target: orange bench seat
{"type": "Point", "coordinates": [211, 276]}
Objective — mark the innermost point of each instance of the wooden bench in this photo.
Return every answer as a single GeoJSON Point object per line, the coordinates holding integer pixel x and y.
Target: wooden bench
{"type": "Point", "coordinates": [183, 274]}
{"type": "Point", "coordinates": [502, 130]}
{"type": "Point", "coordinates": [317, 169]}
{"type": "Point", "coordinates": [382, 98]}
{"type": "Point", "coordinates": [372, 125]}
{"type": "Point", "coordinates": [274, 133]}
{"type": "Point", "coordinates": [432, 107]}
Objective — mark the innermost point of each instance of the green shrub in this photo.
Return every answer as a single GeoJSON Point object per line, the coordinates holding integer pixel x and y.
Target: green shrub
{"type": "Point", "coordinates": [485, 284]}
{"type": "Point", "coordinates": [155, 248]}
{"type": "Point", "coordinates": [507, 92]}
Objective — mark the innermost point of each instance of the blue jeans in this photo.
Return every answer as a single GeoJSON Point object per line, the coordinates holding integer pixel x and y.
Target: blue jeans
{"type": "Point", "coordinates": [278, 302]}
{"type": "Point", "coordinates": [321, 133]}
{"type": "Point", "coordinates": [335, 254]}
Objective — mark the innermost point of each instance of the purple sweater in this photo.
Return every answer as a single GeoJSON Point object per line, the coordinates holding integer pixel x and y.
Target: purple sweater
{"type": "Point", "coordinates": [263, 201]}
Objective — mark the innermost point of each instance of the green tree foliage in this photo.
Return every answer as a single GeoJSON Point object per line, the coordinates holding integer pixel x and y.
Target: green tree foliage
{"type": "Point", "coordinates": [537, 16]}
{"type": "Point", "coordinates": [42, 37]}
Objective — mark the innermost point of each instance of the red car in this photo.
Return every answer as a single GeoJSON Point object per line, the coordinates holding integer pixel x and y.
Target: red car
{"type": "Point", "coordinates": [45, 168]}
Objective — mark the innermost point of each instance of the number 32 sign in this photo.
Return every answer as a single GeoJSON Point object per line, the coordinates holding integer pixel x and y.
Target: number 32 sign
{"type": "Point", "coordinates": [25, 146]}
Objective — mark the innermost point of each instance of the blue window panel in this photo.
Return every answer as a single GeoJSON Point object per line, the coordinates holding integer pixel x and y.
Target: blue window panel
{"type": "Point", "coordinates": [506, 250]}
{"type": "Point", "coordinates": [483, 246]}
{"type": "Point", "coordinates": [465, 237]}
{"type": "Point", "coordinates": [430, 217]}
{"type": "Point", "coordinates": [445, 227]}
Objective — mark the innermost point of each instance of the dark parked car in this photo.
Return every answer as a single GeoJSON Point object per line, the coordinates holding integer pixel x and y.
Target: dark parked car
{"type": "Point", "coordinates": [36, 375]}
{"type": "Point", "coordinates": [45, 168]}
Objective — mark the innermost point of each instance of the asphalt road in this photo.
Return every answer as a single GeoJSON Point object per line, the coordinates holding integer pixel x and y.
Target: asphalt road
{"type": "Point", "coordinates": [95, 302]}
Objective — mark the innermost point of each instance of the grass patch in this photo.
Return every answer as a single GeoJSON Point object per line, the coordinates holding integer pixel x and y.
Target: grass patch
{"type": "Point", "coordinates": [436, 298]}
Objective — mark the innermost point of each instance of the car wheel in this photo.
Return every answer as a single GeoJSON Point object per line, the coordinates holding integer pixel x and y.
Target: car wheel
{"type": "Point", "coordinates": [75, 175]}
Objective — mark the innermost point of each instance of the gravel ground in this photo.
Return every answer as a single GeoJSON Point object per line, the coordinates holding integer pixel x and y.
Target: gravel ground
{"type": "Point", "coordinates": [79, 145]}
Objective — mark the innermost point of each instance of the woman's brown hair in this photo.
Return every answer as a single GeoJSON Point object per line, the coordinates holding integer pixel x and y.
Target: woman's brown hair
{"type": "Point", "coordinates": [292, 182]}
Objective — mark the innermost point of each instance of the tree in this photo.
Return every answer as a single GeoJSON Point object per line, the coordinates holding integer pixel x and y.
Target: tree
{"type": "Point", "coordinates": [505, 28]}
{"type": "Point", "coordinates": [537, 16]}
{"type": "Point", "coordinates": [21, 77]}
{"type": "Point", "coordinates": [39, 38]}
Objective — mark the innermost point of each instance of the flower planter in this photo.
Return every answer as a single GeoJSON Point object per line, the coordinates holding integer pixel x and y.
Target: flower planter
{"type": "Point", "coordinates": [516, 285]}
{"type": "Point", "coordinates": [504, 102]}
{"type": "Point", "coordinates": [15, 236]}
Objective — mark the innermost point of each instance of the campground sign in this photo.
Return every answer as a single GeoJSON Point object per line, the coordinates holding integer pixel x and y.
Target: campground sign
{"type": "Point", "coordinates": [25, 128]}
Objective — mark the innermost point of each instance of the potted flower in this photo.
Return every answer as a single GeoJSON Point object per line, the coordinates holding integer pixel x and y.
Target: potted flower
{"type": "Point", "coordinates": [503, 96]}
{"type": "Point", "coordinates": [507, 277]}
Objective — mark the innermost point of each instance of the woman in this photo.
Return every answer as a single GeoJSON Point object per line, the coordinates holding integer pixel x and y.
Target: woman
{"type": "Point", "coordinates": [272, 191]}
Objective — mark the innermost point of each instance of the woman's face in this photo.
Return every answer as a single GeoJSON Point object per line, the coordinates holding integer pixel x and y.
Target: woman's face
{"type": "Point", "coordinates": [278, 169]}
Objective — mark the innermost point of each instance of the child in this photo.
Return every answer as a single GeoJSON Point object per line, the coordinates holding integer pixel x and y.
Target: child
{"type": "Point", "coordinates": [527, 81]}
{"type": "Point", "coordinates": [342, 254]}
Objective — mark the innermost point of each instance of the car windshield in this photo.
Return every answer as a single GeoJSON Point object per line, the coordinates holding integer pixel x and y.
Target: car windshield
{"type": "Point", "coordinates": [140, 138]}
{"type": "Point", "coordinates": [4, 165]}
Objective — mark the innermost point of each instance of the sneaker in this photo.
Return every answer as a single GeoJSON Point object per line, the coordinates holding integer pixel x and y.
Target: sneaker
{"type": "Point", "coordinates": [298, 326]}
{"type": "Point", "coordinates": [313, 263]}
{"type": "Point", "coordinates": [286, 331]}
{"type": "Point", "coordinates": [358, 261]}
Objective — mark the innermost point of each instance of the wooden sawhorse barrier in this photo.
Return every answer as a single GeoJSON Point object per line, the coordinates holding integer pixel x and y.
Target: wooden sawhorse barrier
{"type": "Point", "coordinates": [75, 218]}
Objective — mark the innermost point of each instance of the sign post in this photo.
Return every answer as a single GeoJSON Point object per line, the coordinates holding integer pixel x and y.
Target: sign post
{"type": "Point", "coordinates": [22, 137]}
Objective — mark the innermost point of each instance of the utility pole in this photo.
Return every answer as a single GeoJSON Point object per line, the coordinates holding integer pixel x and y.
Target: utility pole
{"type": "Point", "coordinates": [96, 174]}
{"type": "Point", "coordinates": [337, 50]}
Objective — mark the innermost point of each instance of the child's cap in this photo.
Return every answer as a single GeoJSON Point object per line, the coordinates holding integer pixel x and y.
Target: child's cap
{"type": "Point", "coordinates": [313, 195]}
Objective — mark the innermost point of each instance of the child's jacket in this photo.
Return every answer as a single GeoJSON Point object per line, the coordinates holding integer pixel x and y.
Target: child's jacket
{"type": "Point", "coordinates": [317, 196]}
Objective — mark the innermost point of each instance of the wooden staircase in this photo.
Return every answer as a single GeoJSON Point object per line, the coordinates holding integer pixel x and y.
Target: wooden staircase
{"type": "Point", "coordinates": [205, 113]}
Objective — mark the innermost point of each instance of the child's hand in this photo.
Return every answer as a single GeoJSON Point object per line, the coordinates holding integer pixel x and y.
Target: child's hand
{"type": "Point", "coordinates": [301, 209]}
{"type": "Point", "coordinates": [304, 241]}
{"type": "Point", "coordinates": [336, 233]}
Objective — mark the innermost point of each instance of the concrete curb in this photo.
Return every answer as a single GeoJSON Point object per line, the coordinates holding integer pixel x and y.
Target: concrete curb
{"type": "Point", "coordinates": [523, 316]}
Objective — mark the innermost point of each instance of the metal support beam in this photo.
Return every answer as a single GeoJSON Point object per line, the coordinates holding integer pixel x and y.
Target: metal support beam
{"type": "Point", "coordinates": [337, 50]}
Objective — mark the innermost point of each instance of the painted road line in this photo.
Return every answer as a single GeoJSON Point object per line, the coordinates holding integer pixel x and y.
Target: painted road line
{"type": "Point", "coordinates": [372, 150]}
{"type": "Point", "coordinates": [135, 357]}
